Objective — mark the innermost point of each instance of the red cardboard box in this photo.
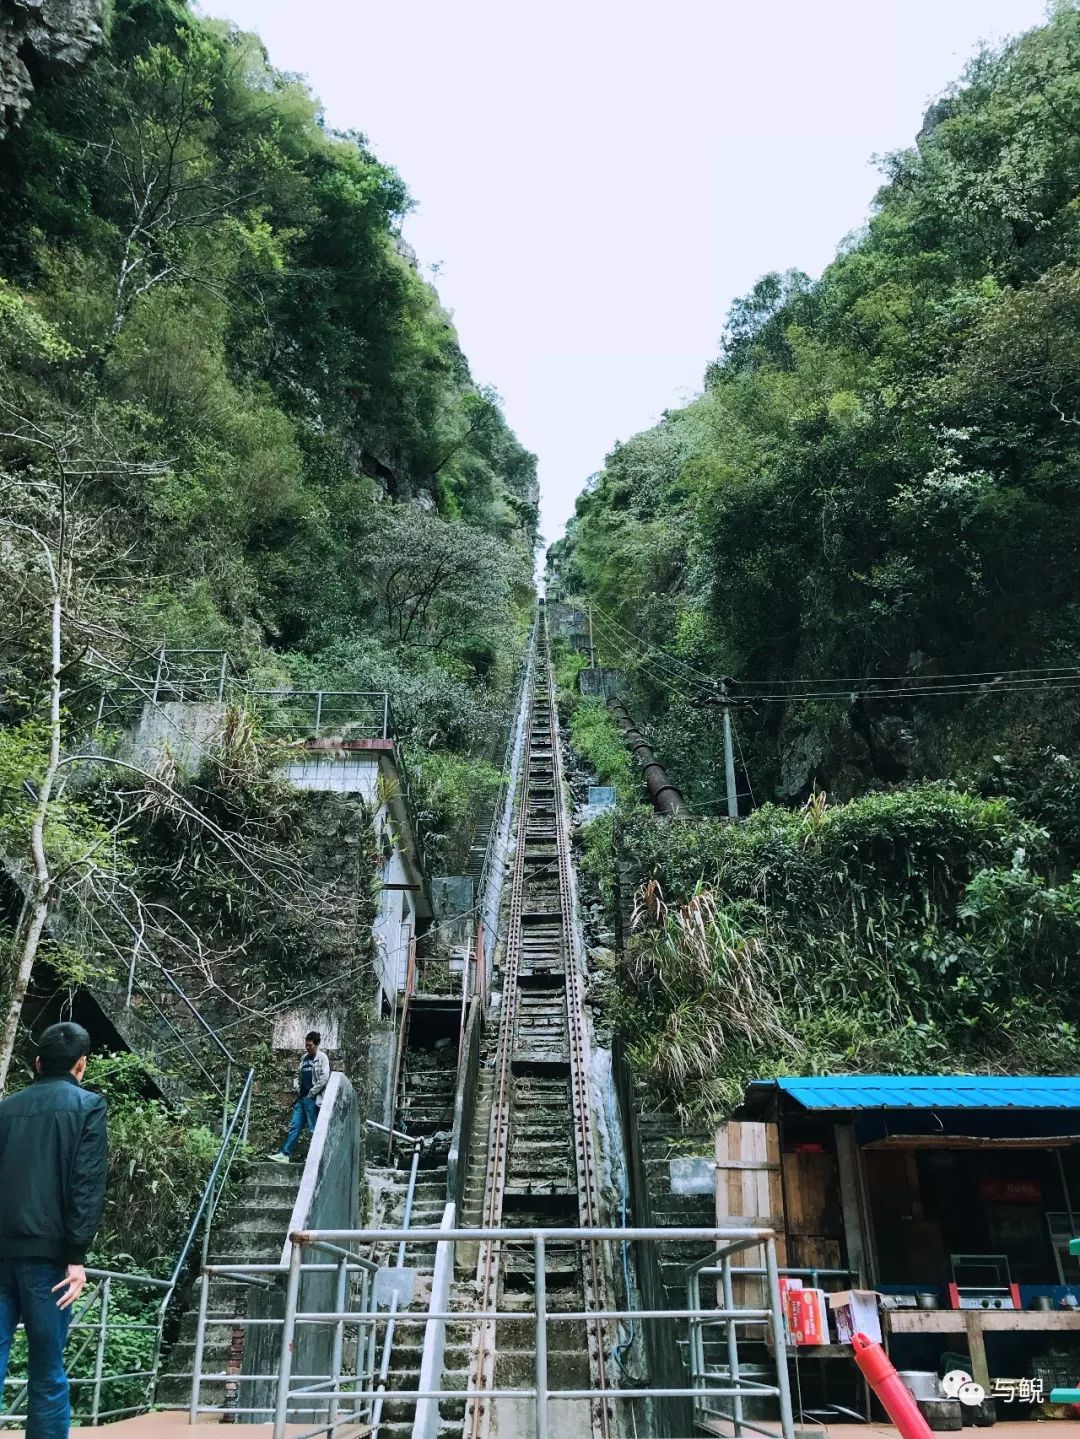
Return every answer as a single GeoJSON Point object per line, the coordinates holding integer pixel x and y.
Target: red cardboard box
{"type": "Point", "coordinates": [787, 1286]}
{"type": "Point", "coordinates": [808, 1316]}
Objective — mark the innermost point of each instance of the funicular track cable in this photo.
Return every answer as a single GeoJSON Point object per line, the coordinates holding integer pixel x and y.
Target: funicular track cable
{"type": "Point", "coordinates": [543, 719]}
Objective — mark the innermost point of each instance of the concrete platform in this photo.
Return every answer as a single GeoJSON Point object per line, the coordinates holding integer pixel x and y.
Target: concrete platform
{"type": "Point", "coordinates": [173, 1424]}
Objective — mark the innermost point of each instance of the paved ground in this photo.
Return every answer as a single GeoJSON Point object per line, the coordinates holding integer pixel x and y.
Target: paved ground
{"type": "Point", "coordinates": [173, 1424]}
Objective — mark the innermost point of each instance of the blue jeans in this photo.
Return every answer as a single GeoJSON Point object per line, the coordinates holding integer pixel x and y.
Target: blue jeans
{"type": "Point", "coordinates": [26, 1294]}
{"type": "Point", "coordinates": [305, 1111]}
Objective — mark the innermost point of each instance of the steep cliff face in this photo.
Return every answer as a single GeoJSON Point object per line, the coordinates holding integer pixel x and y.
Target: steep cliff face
{"type": "Point", "coordinates": [38, 37]}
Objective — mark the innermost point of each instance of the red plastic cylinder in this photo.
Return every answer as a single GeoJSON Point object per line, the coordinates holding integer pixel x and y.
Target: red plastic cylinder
{"type": "Point", "coordinates": [878, 1371]}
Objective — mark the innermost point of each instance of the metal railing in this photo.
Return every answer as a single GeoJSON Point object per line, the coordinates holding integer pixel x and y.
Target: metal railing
{"type": "Point", "coordinates": [363, 1287]}
{"type": "Point", "coordinates": [95, 1328]}
{"type": "Point", "coordinates": [100, 1322]}
{"type": "Point", "coordinates": [465, 1094]}
{"type": "Point", "coordinates": [192, 675]}
{"type": "Point", "coordinates": [547, 1332]}
{"type": "Point", "coordinates": [719, 1266]}
{"type": "Point", "coordinates": [322, 714]}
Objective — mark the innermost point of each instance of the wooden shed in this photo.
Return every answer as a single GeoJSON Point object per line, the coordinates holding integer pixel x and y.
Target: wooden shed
{"type": "Point", "coordinates": [961, 1189]}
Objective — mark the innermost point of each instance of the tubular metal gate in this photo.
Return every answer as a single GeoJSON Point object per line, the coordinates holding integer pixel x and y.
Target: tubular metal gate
{"type": "Point", "coordinates": [370, 1301]}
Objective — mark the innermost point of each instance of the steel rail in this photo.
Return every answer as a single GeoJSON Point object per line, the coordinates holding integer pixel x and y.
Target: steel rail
{"type": "Point", "coordinates": [482, 1367]}
{"type": "Point", "coordinates": [588, 1189]}
{"type": "Point", "coordinates": [541, 728]}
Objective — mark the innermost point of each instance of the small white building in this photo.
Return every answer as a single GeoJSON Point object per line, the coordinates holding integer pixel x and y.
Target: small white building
{"type": "Point", "coordinates": [371, 768]}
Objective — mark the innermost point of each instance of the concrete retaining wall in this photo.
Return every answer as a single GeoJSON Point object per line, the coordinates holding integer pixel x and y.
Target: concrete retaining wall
{"type": "Point", "coordinates": [328, 1198]}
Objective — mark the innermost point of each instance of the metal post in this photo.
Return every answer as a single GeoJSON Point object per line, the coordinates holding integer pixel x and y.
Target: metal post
{"type": "Point", "coordinates": [155, 1365]}
{"type": "Point", "coordinates": [467, 965]}
{"type": "Point", "coordinates": [729, 760]}
{"type": "Point", "coordinates": [247, 1112]}
{"type": "Point", "coordinates": [728, 1291]}
{"type": "Point", "coordinates": [131, 974]}
{"type": "Point", "coordinates": [200, 1339]}
{"type": "Point", "coordinates": [592, 648]}
{"type": "Point", "coordinates": [225, 1101]}
{"type": "Point", "coordinates": [318, 712]}
{"type": "Point", "coordinates": [338, 1349]}
{"type": "Point", "coordinates": [481, 961]}
{"type": "Point", "coordinates": [372, 1345]}
{"type": "Point", "coordinates": [208, 1220]}
{"type": "Point", "coordinates": [779, 1339]}
{"type": "Point", "coordinates": [1065, 1190]}
{"type": "Point", "coordinates": [288, 1338]}
{"type": "Point", "coordinates": [221, 676]}
{"type": "Point", "coordinates": [540, 1287]}
{"type": "Point", "coordinates": [697, 1343]}
{"type": "Point", "coordinates": [410, 1195]}
{"type": "Point", "coordinates": [157, 677]}
{"type": "Point", "coordinates": [384, 1365]}
{"type": "Point", "coordinates": [386, 714]}
{"type": "Point", "coordinates": [99, 1361]}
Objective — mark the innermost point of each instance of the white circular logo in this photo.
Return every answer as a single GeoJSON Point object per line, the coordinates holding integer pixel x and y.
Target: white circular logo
{"type": "Point", "coordinates": [959, 1385]}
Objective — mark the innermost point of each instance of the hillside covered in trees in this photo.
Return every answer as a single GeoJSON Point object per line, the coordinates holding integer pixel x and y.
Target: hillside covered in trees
{"type": "Point", "coordinates": [236, 422]}
{"type": "Point", "coordinates": [868, 526]}
{"type": "Point", "coordinates": [878, 483]}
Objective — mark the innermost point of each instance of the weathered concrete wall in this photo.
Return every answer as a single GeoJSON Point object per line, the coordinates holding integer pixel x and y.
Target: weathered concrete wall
{"type": "Point", "coordinates": [357, 772]}
{"type": "Point", "coordinates": [382, 1048]}
{"type": "Point", "coordinates": [602, 683]}
{"type": "Point", "coordinates": [328, 1198]}
{"type": "Point", "coordinates": [183, 729]}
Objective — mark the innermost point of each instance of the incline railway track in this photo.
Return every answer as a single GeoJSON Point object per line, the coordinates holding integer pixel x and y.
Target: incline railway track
{"type": "Point", "coordinates": [541, 1165]}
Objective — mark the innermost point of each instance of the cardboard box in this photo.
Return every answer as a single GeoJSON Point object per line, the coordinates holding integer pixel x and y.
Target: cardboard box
{"type": "Point", "coordinates": [855, 1311]}
{"type": "Point", "coordinates": [787, 1286]}
{"type": "Point", "coordinates": [808, 1316]}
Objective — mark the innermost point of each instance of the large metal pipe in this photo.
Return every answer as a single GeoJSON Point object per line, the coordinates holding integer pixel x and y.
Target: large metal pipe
{"type": "Point", "coordinates": [665, 797]}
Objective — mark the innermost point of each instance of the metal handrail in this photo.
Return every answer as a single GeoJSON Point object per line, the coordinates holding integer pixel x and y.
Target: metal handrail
{"type": "Point", "coordinates": [388, 1336]}
{"type": "Point", "coordinates": [312, 1396]}
{"type": "Point", "coordinates": [96, 1334]}
{"type": "Point", "coordinates": [207, 1206]}
{"type": "Point", "coordinates": [464, 1103]}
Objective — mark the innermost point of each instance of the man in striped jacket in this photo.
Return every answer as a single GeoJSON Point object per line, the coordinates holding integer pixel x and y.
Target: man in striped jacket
{"type": "Point", "coordinates": [311, 1079]}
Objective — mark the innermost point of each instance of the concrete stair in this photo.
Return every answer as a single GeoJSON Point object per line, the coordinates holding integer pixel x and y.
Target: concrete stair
{"type": "Point", "coordinates": [387, 1194]}
{"type": "Point", "coordinates": [253, 1233]}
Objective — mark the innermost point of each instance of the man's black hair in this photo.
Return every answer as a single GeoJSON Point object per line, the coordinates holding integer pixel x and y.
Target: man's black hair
{"type": "Point", "coordinates": [313, 1034]}
{"type": "Point", "coordinates": [61, 1047]}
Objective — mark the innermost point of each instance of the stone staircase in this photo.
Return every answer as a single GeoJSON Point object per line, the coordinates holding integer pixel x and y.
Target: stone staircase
{"type": "Point", "coordinates": [254, 1233]}
{"type": "Point", "coordinates": [387, 1192]}
{"type": "Point", "coordinates": [426, 1108]}
{"type": "Point", "coordinates": [673, 1210]}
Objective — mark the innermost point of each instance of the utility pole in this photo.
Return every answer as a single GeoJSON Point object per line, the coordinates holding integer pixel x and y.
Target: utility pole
{"type": "Point", "coordinates": [729, 757]}
{"type": "Point", "coordinates": [715, 692]}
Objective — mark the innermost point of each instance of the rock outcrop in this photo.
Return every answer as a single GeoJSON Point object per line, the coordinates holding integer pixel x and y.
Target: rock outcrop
{"type": "Point", "coordinates": [37, 38]}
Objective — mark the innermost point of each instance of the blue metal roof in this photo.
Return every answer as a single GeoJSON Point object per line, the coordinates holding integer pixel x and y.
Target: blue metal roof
{"type": "Point", "coordinates": [930, 1091]}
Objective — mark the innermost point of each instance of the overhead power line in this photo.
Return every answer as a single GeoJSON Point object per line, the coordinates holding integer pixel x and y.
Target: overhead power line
{"type": "Point", "coordinates": [672, 674]}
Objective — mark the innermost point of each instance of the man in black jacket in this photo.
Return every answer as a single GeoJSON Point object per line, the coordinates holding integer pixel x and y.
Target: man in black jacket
{"type": "Point", "coordinates": [52, 1179]}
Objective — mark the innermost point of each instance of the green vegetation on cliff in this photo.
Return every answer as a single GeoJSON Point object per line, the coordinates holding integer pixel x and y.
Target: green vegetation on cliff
{"type": "Point", "coordinates": [881, 476]}
{"type": "Point", "coordinates": [878, 485]}
{"type": "Point", "coordinates": [233, 417]}
{"type": "Point", "coordinates": [923, 930]}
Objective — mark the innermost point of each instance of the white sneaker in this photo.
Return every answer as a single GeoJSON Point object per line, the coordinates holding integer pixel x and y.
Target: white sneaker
{"type": "Point", "coordinates": [278, 1158]}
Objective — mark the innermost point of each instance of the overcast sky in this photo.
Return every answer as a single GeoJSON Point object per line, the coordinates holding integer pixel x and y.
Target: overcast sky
{"type": "Point", "coordinates": [597, 180]}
